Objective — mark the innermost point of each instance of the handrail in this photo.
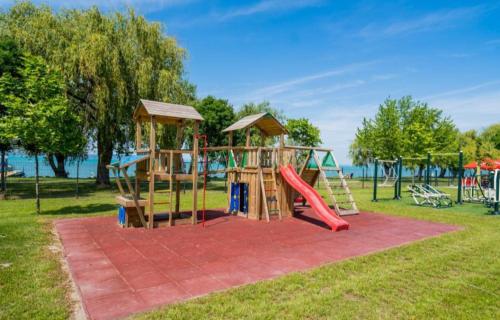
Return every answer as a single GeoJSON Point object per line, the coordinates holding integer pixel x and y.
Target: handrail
{"type": "Point", "coordinates": [175, 151]}
{"type": "Point", "coordinates": [309, 148]}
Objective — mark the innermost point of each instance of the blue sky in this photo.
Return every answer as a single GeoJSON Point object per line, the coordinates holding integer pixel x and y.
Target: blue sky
{"type": "Point", "coordinates": [334, 62]}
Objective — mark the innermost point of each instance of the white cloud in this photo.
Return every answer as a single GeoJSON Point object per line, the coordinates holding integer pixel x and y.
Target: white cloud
{"type": "Point", "coordinates": [472, 112]}
{"type": "Point", "coordinates": [462, 91]}
{"type": "Point", "coordinates": [429, 22]}
{"type": "Point", "coordinates": [267, 6]}
{"type": "Point", "coordinates": [272, 90]}
{"type": "Point", "coordinates": [493, 42]}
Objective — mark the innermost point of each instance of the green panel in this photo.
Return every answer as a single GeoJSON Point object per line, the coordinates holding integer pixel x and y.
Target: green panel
{"type": "Point", "coordinates": [244, 160]}
{"type": "Point", "coordinates": [311, 163]}
{"type": "Point", "coordinates": [232, 162]}
{"type": "Point", "coordinates": [328, 161]}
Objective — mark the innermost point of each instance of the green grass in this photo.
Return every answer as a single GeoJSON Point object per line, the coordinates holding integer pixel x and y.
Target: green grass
{"type": "Point", "coordinates": [456, 275]}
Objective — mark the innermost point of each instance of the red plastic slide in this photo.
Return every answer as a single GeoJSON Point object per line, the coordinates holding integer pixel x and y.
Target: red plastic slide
{"type": "Point", "coordinates": [315, 200]}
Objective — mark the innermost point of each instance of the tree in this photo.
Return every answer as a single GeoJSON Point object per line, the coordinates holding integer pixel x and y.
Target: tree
{"type": "Point", "coordinates": [38, 112]}
{"type": "Point", "coordinates": [108, 63]}
{"type": "Point", "coordinates": [469, 144]}
{"type": "Point", "coordinates": [490, 142]}
{"type": "Point", "coordinates": [10, 61]}
{"type": "Point", "coordinates": [254, 108]}
{"type": "Point", "coordinates": [218, 114]}
{"type": "Point", "coordinates": [301, 132]}
{"type": "Point", "coordinates": [408, 128]}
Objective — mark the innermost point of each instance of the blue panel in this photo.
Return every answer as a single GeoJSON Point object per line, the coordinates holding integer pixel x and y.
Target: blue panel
{"type": "Point", "coordinates": [244, 202]}
{"type": "Point", "coordinates": [234, 204]}
{"type": "Point", "coordinates": [121, 215]}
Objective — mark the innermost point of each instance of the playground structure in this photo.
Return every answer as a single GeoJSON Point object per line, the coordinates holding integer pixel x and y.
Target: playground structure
{"type": "Point", "coordinates": [263, 181]}
{"type": "Point", "coordinates": [481, 183]}
{"type": "Point", "coordinates": [422, 194]}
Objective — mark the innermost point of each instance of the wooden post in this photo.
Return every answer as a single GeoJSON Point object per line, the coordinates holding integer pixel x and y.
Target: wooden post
{"type": "Point", "coordinates": [247, 142]}
{"type": "Point", "coordinates": [178, 145]}
{"type": "Point", "coordinates": [177, 196]}
{"type": "Point", "coordinates": [230, 139]}
{"type": "Point", "coordinates": [138, 135]}
{"type": "Point", "coordinates": [195, 172]}
{"type": "Point", "coordinates": [282, 145]}
{"type": "Point", "coordinates": [152, 156]}
{"type": "Point", "coordinates": [229, 175]}
{"type": "Point", "coordinates": [170, 185]}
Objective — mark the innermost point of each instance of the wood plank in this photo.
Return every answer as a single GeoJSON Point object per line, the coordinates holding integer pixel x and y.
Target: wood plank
{"type": "Point", "coordinates": [152, 155]}
{"type": "Point", "coordinates": [134, 197]}
{"type": "Point", "coordinates": [195, 172]}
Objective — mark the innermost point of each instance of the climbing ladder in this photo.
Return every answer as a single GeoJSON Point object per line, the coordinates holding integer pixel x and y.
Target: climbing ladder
{"type": "Point", "coordinates": [340, 195]}
{"type": "Point", "coordinates": [269, 191]}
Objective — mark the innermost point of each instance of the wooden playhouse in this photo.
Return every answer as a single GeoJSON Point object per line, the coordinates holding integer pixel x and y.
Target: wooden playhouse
{"type": "Point", "coordinates": [258, 188]}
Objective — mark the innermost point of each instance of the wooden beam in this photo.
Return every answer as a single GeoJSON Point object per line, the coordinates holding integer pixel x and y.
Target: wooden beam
{"type": "Point", "coordinates": [152, 156]}
{"type": "Point", "coordinates": [195, 172]}
{"type": "Point", "coordinates": [230, 139]}
{"type": "Point", "coordinates": [247, 142]}
{"type": "Point", "coordinates": [134, 197]}
{"type": "Point", "coordinates": [138, 135]}
{"type": "Point", "coordinates": [170, 184]}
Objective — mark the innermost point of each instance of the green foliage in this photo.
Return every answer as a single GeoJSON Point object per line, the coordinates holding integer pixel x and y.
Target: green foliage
{"type": "Point", "coordinates": [218, 114]}
{"type": "Point", "coordinates": [38, 111]}
{"type": "Point", "coordinates": [469, 144]}
{"type": "Point", "coordinates": [490, 142]}
{"type": "Point", "coordinates": [478, 146]}
{"type": "Point", "coordinates": [108, 63]}
{"type": "Point", "coordinates": [303, 133]}
{"type": "Point", "coordinates": [408, 128]}
{"type": "Point", "coordinates": [255, 108]}
{"type": "Point", "coordinates": [10, 62]}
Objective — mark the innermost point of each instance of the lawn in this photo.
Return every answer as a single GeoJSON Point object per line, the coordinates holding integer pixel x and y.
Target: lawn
{"type": "Point", "coordinates": [456, 275]}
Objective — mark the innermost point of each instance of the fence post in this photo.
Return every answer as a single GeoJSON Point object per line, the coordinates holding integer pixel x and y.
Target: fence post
{"type": "Point", "coordinates": [496, 206]}
{"type": "Point", "coordinates": [460, 176]}
{"type": "Point", "coordinates": [375, 178]}
{"type": "Point", "coordinates": [396, 171]}
{"type": "Point", "coordinates": [428, 169]}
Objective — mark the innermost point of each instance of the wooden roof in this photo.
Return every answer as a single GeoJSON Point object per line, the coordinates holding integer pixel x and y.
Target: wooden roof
{"type": "Point", "coordinates": [264, 121]}
{"type": "Point", "coordinates": [165, 111]}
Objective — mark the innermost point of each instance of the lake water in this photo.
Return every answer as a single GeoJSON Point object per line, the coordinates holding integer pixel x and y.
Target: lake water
{"type": "Point", "coordinates": [88, 167]}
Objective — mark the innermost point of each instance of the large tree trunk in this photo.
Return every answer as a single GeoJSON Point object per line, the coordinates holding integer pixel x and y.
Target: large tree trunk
{"type": "Point", "coordinates": [104, 155]}
{"type": "Point", "coordinates": [37, 184]}
{"type": "Point", "coordinates": [58, 165]}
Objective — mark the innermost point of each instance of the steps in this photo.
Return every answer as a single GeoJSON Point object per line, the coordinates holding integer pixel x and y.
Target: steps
{"type": "Point", "coordinates": [342, 199]}
{"type": "Point", "coordinates": [269, 192]}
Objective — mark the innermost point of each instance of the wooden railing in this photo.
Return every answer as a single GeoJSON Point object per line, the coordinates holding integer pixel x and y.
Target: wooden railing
{"type": "Point", "coordinates": [245, 157]}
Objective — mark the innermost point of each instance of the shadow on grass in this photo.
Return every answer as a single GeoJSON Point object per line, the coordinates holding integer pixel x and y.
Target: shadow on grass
{"type": "Point", "coordinates": [88, 209]}
{"type": "Point", "coordinates": [24, 188]}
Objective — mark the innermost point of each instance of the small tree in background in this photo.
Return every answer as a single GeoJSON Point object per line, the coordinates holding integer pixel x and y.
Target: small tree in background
{"type": "Point", "coordinates": [490, 142]}
{"type": "Point", "coordinates": [255, 108]}
{"type": "Point", "coordinates": [218, 114]}
{"type": "Point", "coordinates": [10, 61]}
{"type": "Point", "coordinates": [301, 132]}
{"type": "Point", "coordinates": [408, 128]}
{"type": "Point", "coordinates": [38, 113]}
